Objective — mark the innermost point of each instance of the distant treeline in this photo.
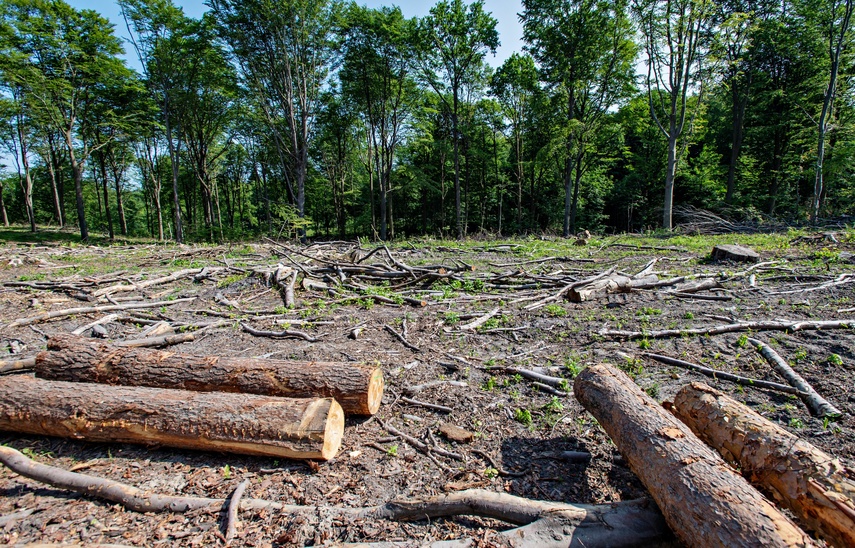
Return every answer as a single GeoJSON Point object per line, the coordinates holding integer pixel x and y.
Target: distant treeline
{"type": "Point", "coordinates": [325, 118]}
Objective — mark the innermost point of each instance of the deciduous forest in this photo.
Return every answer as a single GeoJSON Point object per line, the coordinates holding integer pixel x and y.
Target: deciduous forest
{"type": "Point", "coordinates": [329, 119]}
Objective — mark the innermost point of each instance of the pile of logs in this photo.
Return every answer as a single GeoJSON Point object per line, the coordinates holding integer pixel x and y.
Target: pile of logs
{"type": "Point", "coordinates": [91, 390]}
{"type": "Point", "coordinates": [684, 459]}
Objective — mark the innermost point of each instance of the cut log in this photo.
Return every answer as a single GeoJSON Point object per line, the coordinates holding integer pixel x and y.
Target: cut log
{"type": "Point", "coordinates": [612, 284]}
{"type": "Point", "coordinates": [703, 500]}
{"type": "Point", "coordinates": [740, 253]}
{"type": "Point", "coordinates": [817, 487]}
{"type": "Point", "coordinates": [358, 388]}
{"type": "Point", "coordinates": [234, 423]}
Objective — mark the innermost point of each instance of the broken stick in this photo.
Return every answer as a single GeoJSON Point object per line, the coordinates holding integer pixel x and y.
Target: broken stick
{"type": "Point", "coordinates": [819, 406]}
{"type": "Point", "coordinates": [703, 500]}
{"type": "Point", "coordinates": [236, 423]}
{"type": "Point", "coordinates": [812, 483]}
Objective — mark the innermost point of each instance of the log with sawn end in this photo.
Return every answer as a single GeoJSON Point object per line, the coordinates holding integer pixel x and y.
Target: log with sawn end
{"type": "Point", "coordinates": [358, 388]}
{"type": "Point", "coordinates": [247, 424]}
{"type": "Point", "coordinates": [704, 501]}
{"type": "Point", "coordinates": [817, 487]}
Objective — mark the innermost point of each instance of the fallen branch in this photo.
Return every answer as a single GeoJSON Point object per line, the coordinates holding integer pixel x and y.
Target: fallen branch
{"type": "Point", "coordinates": [817, 487]}
{"type": "Point", "coordinates": [149, 283]}
{"type": "Point", "coordinates": [421, 446]}
{"type": "Point", "coordinates": [100, 321]}
{"type": "Point", "coordinates": [479, 321]}
{"type": "Point", "coordinates": [234, 508]}
{"type": "Point", "coordinates": [704, 501]}
{"type": "Point", "coordinates": [284, 334]}
{"type": "Point", "coordinates": [91, 309]}
{"type": "Point", "coordinates": [426, 405]}
{"type": "Point", "coordinates": [164, 340]}
{"type": "Point", "coordinates": [819, 406]}
{"type": "Point", "coordinates": [722, 375]}
{"type": "Point", "coordinates": [628, 523]}
{"type": "Point", "coordinates": [786, 325]}
{"type": "Point", "coordinates": [10, 366]}
{"type": "Point", "coordinates": [401, 338]}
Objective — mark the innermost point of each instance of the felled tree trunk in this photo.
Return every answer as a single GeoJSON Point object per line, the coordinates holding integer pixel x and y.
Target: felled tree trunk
{"type": "Point", "coordinates": [812, 483]}
{"type": "Point", "coordinates": [612, 284]}
{"type": "Point", "coordinates": [703, 500]}
{"type": "Point", "coordinates": [234, 423]}
{"type": "Point", "coordinates": [357, 388]}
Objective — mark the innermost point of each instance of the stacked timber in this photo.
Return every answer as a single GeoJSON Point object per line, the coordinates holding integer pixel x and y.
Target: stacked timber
{"type": "Point", "coordinates": [95, 391]}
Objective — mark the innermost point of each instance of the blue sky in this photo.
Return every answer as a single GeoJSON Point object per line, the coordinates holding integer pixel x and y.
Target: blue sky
{"type": "Point", "coordinates": [505, 12]}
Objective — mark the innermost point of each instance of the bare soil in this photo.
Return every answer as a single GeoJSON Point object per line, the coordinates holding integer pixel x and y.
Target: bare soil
{"type": "Point", "coordinates": [521, 428]}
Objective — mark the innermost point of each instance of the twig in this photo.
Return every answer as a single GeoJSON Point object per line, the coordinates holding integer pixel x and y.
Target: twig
{"type": "Point", "coordinates": [284, 334]}
{"type": "Point", "coordinates": [745, 381]}
{"type": "Point", "coordinates": [421, 446]}
{"type": "Point", "coordinates": [819, 406]}
{"type": "Point", "coordinates": [106, 319]}
{"type": "Point", "coordinates": [435, 407]}
{"type": "Point", "coordinates": [419, 387]}
{"type": "Point", "coordinates": [497, 467]}
{"type": "Point", "coordinates": [234, 507]}
{"type": "Point", "coordinates": [401, 338]}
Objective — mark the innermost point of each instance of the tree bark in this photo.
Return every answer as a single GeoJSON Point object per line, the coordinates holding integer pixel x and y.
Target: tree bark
{"type": "Point", "coordinates": [235, 423]}
{"type": "Point", "coordinates": [358, 388]}
{"type": "Point", "coordinates": [703, 500]}
{"type": "Point", "coordinates": [817, 487]}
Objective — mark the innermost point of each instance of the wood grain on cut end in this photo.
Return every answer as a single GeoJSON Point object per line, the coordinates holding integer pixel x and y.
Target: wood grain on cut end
{"type": "Point", "coordinates": [333, 430]}
{"type": "Point", "coordinates": [210, 421]}
{"type": "Point", "coordinates": [376, 385]}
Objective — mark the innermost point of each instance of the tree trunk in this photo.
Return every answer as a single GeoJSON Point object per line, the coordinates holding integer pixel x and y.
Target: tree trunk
{"type": "Point", "coordinates": [740, 103]}
{"type": "Point", "coordinates": [235, 423]}
{"type": "Point", "coordinates": [456, 143]}
{"type": "Point", "coordinates": [77, 171]}
{"type": "Point", "coordinates": [703, 500]}
{"type": "Point", "coordinates": [173, 157]}
{"type": "Point", "coordinates": [3, 207]}
{"type": "Point", "coordinates": [358, 388]}
{"type": "Point", "coordinates": [817, 487]}
{"type": "Point", "coordinates": [103, 165]}
{"type": "Point", "coordinates": [670, 174]}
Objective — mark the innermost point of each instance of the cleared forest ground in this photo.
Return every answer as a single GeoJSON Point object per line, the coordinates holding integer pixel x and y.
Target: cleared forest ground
{"type": "Point", "coordinates": [460, 325]}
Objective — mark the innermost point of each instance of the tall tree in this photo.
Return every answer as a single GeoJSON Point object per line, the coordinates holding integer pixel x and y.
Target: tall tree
{"type": "Point", "coordinates": [676, 40]}
{"type": "Point", "coordinates": [158, 29]}
{"type": "Point", "coordinates": [586, 54]}
{"type": "Point", "coordinates": [376, 76]}
{"type": "Point", "coordinates": [69, 55]}
{"type": "Point", "coordinates": [836, 17]}
{"type": "Point", "coordinates": [453, 41]}
{"type": "Point", "coordinates": [514, 85]}
{"type": "Point", "coordinates": [285, 50]}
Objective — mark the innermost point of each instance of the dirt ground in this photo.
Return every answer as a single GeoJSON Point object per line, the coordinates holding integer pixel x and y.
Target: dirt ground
{"type": "Point", "coordinates": [519, 429]}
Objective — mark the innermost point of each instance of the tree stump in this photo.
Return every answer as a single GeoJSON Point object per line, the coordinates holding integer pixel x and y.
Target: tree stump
{"type": "Point", "coordinates": [738, 253]}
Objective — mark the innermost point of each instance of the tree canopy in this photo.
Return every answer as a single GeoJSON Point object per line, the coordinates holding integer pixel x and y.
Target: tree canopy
{"type": "Point", "coordinates": [327, 119]}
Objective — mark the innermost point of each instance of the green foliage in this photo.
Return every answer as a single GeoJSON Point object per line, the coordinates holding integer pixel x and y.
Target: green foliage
{"type": "Point", "coordinates": [523, 416]}
{"type": "Point", "coordinates": [834, 359]}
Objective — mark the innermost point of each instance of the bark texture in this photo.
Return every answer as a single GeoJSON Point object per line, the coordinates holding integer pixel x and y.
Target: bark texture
{"type": "Point", "coordinates": [357, 388]}
{"type": "Point", "coordinates": [812, 483]}
{"type": "Point", "coordinates": [703, 500]}
{"type": "Point", "coordinates": [234, 423]}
